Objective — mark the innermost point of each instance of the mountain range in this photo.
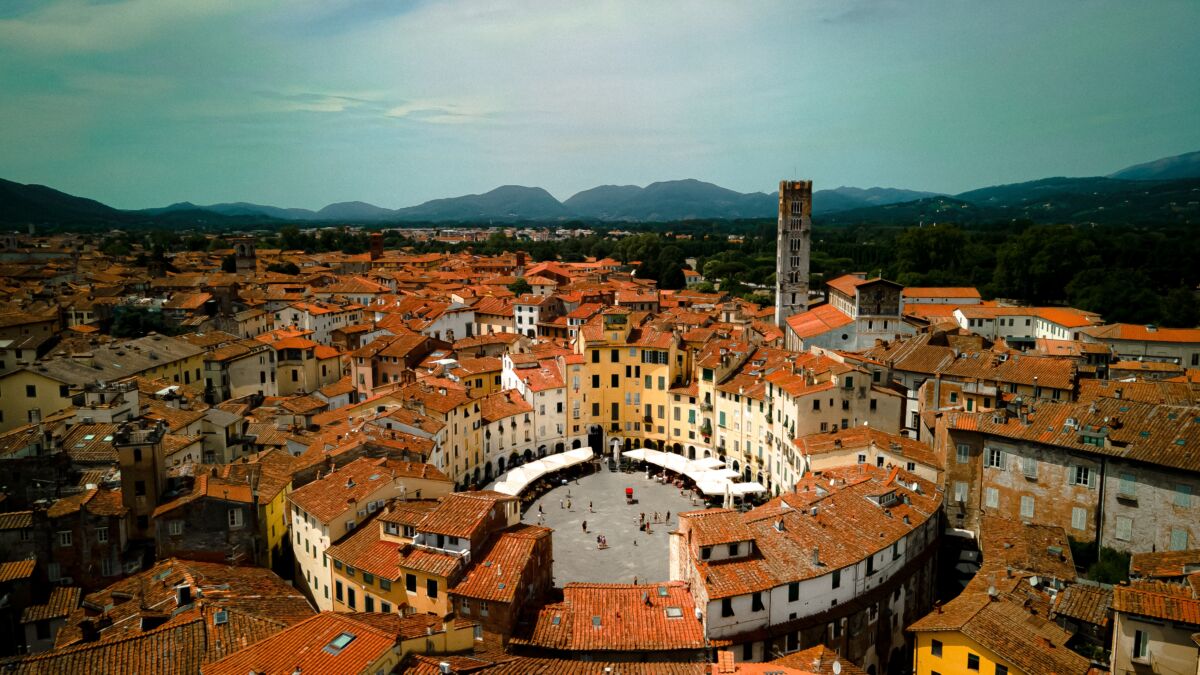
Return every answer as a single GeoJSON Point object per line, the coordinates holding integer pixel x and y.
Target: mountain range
{"type": "Point", "coordinates": [1154, 189]}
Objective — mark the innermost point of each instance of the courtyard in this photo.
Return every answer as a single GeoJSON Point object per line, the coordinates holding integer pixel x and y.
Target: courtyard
{"type": "Point", "coordinates": [631, 553]}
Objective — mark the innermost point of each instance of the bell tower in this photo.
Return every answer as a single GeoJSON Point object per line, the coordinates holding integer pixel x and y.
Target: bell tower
{"type": "Point", "coordinates": [792, 243]}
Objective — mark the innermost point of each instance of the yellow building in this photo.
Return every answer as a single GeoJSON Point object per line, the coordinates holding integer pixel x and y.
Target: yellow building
{"type": "Point", "coordinates": [978, 634]}
{"type": "Point", "coordinates": [628, 371]}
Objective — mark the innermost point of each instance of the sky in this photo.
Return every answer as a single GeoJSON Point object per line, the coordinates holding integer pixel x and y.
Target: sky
{"type": "Point", "coordinates": [301, 103]}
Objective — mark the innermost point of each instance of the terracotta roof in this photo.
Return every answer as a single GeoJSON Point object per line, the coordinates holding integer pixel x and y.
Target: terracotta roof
{"type": "Point", "coordinates": [1085, 602]}
{"type": "Point", "coordinates": [1161, 564]}
{"type": "Point", "coordinates": [817, 321]}
{"type": "Point", "coordinates": [96, 501]}
{"type": "Point", "coordinates": [1158, 600]}
{"type": "Point", "coordinates": [619, 617]}
{"type": "Point", "coordinates": [846, 283]}
{"type": "Point", "coordinates": [964, 292]}
{"type": "Point", "coordinates": [17, 569]}
{"type": "Point", "coordinates": [819, 660]}
{"type": "Point", "coordinates": [497, 573]}
{"type": "Point", "coordinates": [339, 490]}
{"type": "Point", "coordinates": [503, 404]}
{"type": "Point", "coordinates": [1043, 550]}
{"type": "Point", "coordinates": [862, 437]}
{"type": "Point", "coordinates": [309, 647]}
{"type": "Point", "coordinates": [63, 599]}
{"type": "Point", "coordinates": [461, 514]}
{"type": "Point", "coordinates": [16, 520]}
{"type": "Point", "coordinates": [1142, 333]}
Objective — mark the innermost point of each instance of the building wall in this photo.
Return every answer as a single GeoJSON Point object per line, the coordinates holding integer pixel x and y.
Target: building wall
{"type": "Point", "coordinates": [15, 403]}
{"type": "Point", "coordinates": [953, 661]}
{"type": "Point", "coordinates": [1162, 501]}
{"type": "Point", "coordinates": [1170, 650]}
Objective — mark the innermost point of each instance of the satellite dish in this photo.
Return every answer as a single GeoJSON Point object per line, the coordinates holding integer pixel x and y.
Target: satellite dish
{"type": "Point", "coordinates": [837, 668]}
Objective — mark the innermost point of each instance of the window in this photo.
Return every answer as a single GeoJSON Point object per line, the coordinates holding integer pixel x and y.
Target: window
{"type": "Point", "coordinates": [936, 647]}
{"type": "Point", "coordinates": [1079, 518]}
{"type": "Point", "coordinates": [139, 488]}
{"type": "Point", "coordinates": [960, 491]}
{"type": "Point", "coordinates": [1179, 539]}
{"type": "Point", "coordinates": [705, 552]}
{"type": "Point", "coordinates": [351, 598]}
{"type": "Point", "coordinates": [339, 643]}
{"type": "Point", "coordinates": [1082, 475]}
{"type": "Point", "coordinates": [235, 518]}
{"type": "Point", "coordinates": [410, 583]}
{"type": "Point", "coordinates": [733, 549]}
{"type": "Point", "coordinates": [991, 498]}
{"type": "Point", "coordinates": [793, 591]}
{"type": "Point", "coordinates": [837, 578]}
{"type": "Point", "coordinates": [31, 391]}
{"type": "Point", "coordinates": [431, 585]}
{"type": "Point", "coordinates": [727, 607]}
{"type": "Point", "coordinates": [756, 603]}
{"type": "Point", "coordinates": [174, 527]}
{"type": "Point", "coordinates": [1140, 645]}
{"type": "Point", "coordinates": [483, 608]}
{"type": "Point", "coordinates": [385, 607]}
{"type": "Point", "coordinates": [1001, 670]}
{"type": "Point", "coordinates": [995, 458]}
{"type": "Point", "coordinates": [1183, 495]}
{"type": "Point", "coordinates": [368, 579]}
{"type": "Point", "coordinates": [64, 538]}
{"type": "Point", "coordinates": [385, 585]}
{"type": "Point", "coordinates": [973, 662]}
{"type": "Point", "coordinates": [102, 535]}
{"type": "Point", "coordinates": [1124, 528]}
{"type": "Point", "coordinates": [1128, 486]}
{"type": "Point", "coordinates": [1027, 507]}
{"type": "Point", "coordinates": [964, 453]}
{"type": "Point", "coordinates": [337, 591]}
{"type": "Point", "coordinates": [1029, 467]}
{"type": "Point", "coordinates": [368, 603]}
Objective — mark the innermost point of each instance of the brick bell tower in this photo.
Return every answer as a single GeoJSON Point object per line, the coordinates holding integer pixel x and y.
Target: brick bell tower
{"type": "Point", "coordinates": [793, 240]}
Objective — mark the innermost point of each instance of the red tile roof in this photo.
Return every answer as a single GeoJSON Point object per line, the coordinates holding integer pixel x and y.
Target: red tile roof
{"type": "Point", "coordinates": [619, 617]}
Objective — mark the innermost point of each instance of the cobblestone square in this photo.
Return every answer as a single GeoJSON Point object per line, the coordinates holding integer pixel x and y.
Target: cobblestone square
{"type": "Point", "coordinates": [631, 553]}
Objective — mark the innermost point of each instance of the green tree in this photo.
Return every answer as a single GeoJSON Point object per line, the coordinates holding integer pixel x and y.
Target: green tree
{"type": "Point", "coordinates": [1117, 295]}
{"type": "Point", "coordinates": [1180, 309]}
{"type": "Point", "coordinates": [520, 286]}
{"type": "Point", "coordinates": [284, 268]}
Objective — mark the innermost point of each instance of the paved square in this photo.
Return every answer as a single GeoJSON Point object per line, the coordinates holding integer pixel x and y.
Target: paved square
{"type": "Point", "coordinates": [576, 556]}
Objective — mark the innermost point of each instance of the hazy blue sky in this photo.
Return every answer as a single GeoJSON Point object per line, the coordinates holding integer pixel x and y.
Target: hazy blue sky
{"type": "Point", "coordinates": [305, 102]}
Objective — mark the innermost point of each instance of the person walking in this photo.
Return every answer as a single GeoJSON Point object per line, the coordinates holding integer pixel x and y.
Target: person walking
{"type": "Point", "coordinates": [585, 527]}
{"type": "Point", "coordinates": [590, 508]}
{"type": "Point", "coordinates": [560, 504]}
{"type": "Point", "coordinates": [668, 516]}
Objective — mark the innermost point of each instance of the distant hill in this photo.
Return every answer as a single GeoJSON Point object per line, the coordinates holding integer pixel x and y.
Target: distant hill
{"type": "Point", "coordinates": [37, 203]}
{"type": "Point", "coordinates": [505, 203]}
{"type": "Point", "coordinates": [1050, 200]}
{"type": "Point", "coordinates": [604, 202]}
{"type": "Point", "coordinates": [1186, 165]}
{"type": "Point", "coordinates": [846, 198]}
{"type": "Point", "coordinates": [353, 211]}
{"type": "Point", "coordinates": [670, 200]}
{"type": "Point", "coordinates": [1163, 191]}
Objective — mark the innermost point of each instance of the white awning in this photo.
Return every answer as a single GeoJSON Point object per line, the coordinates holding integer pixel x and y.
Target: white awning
{"type": "Point", "coordinates": [709, 463]}
{"type": "Point", "coordinates": [516, 480]}
{"type": "Point", "coordinates": [741, 489]}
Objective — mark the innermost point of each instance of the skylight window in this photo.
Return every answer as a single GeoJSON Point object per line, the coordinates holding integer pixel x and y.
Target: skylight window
{"type": "Point", "coordinates": [89, 437]}
{"type": "Point", "coordinates": [339, 643]}
{"type": "Point", "coordinates": [221, 617]}
{"type": "Point", "coordinates": [662, 591]}
{"type": "Point", "coordinates": [556, 620]}
{"type": "Point", "coordinates": [674, 612]}
{"type": "Point", "coordinates": [595, 621]}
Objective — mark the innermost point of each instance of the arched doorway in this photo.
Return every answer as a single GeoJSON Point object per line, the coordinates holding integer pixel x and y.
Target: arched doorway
{"type": "Point", "coordinates": [760, 478]}
{"type": "Point", "coordinates": [574, 444]}
{"type": "Point", "coordinates": [595, 438]}
{"type": "Point", "coordinates": [677, 449]}
{"type": "Point", "coordinates": [628, 444]}
{"type": "Point", "coordinates": [558, 447]}
{"type": "Point", "coordinates": [707, 454]}
{"type": "Point", "coordinates": [745, 474]}
{"type": "Point", "coordinates": [735, 465]}
{"type": "Point", "coordinates": [691, 452]}
{"type": "Point", "coordinates": [499, 465]}
{"type": "Point", "coordinates": [476, 474]}
{"type": "Point", "coordinates": [487, 472]}
{"type": "Point", "coordinates": [529, 453]}
{"type": "Point", "coordinates": [514, 459]}
{"type": "Point", "coordinates": [661, 443]}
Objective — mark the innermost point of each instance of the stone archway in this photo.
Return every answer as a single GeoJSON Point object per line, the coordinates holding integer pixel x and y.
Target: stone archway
{"type": "Point", "coordinates": [677, 448]}
{"type": "Point", "coordinates": [691, 452]}
{"type": "Point", "coordinates": [575, 444]}
{"type": "Point", "coordinates": [558, 447]}
{"type": "Point", "coordinates": [529, 453]}
{"type": "Point", "coordinates": [736, 465]}
{"type": "Point", "coordinates": [499, 465]}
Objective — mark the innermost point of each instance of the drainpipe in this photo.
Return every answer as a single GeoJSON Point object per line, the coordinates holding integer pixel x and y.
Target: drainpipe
{"type": "Point", "coordinates": [1100, 501]}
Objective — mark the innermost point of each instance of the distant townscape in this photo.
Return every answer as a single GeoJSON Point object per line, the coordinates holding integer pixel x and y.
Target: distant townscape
{"type": "Point", "coordinates": [285, 451]}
